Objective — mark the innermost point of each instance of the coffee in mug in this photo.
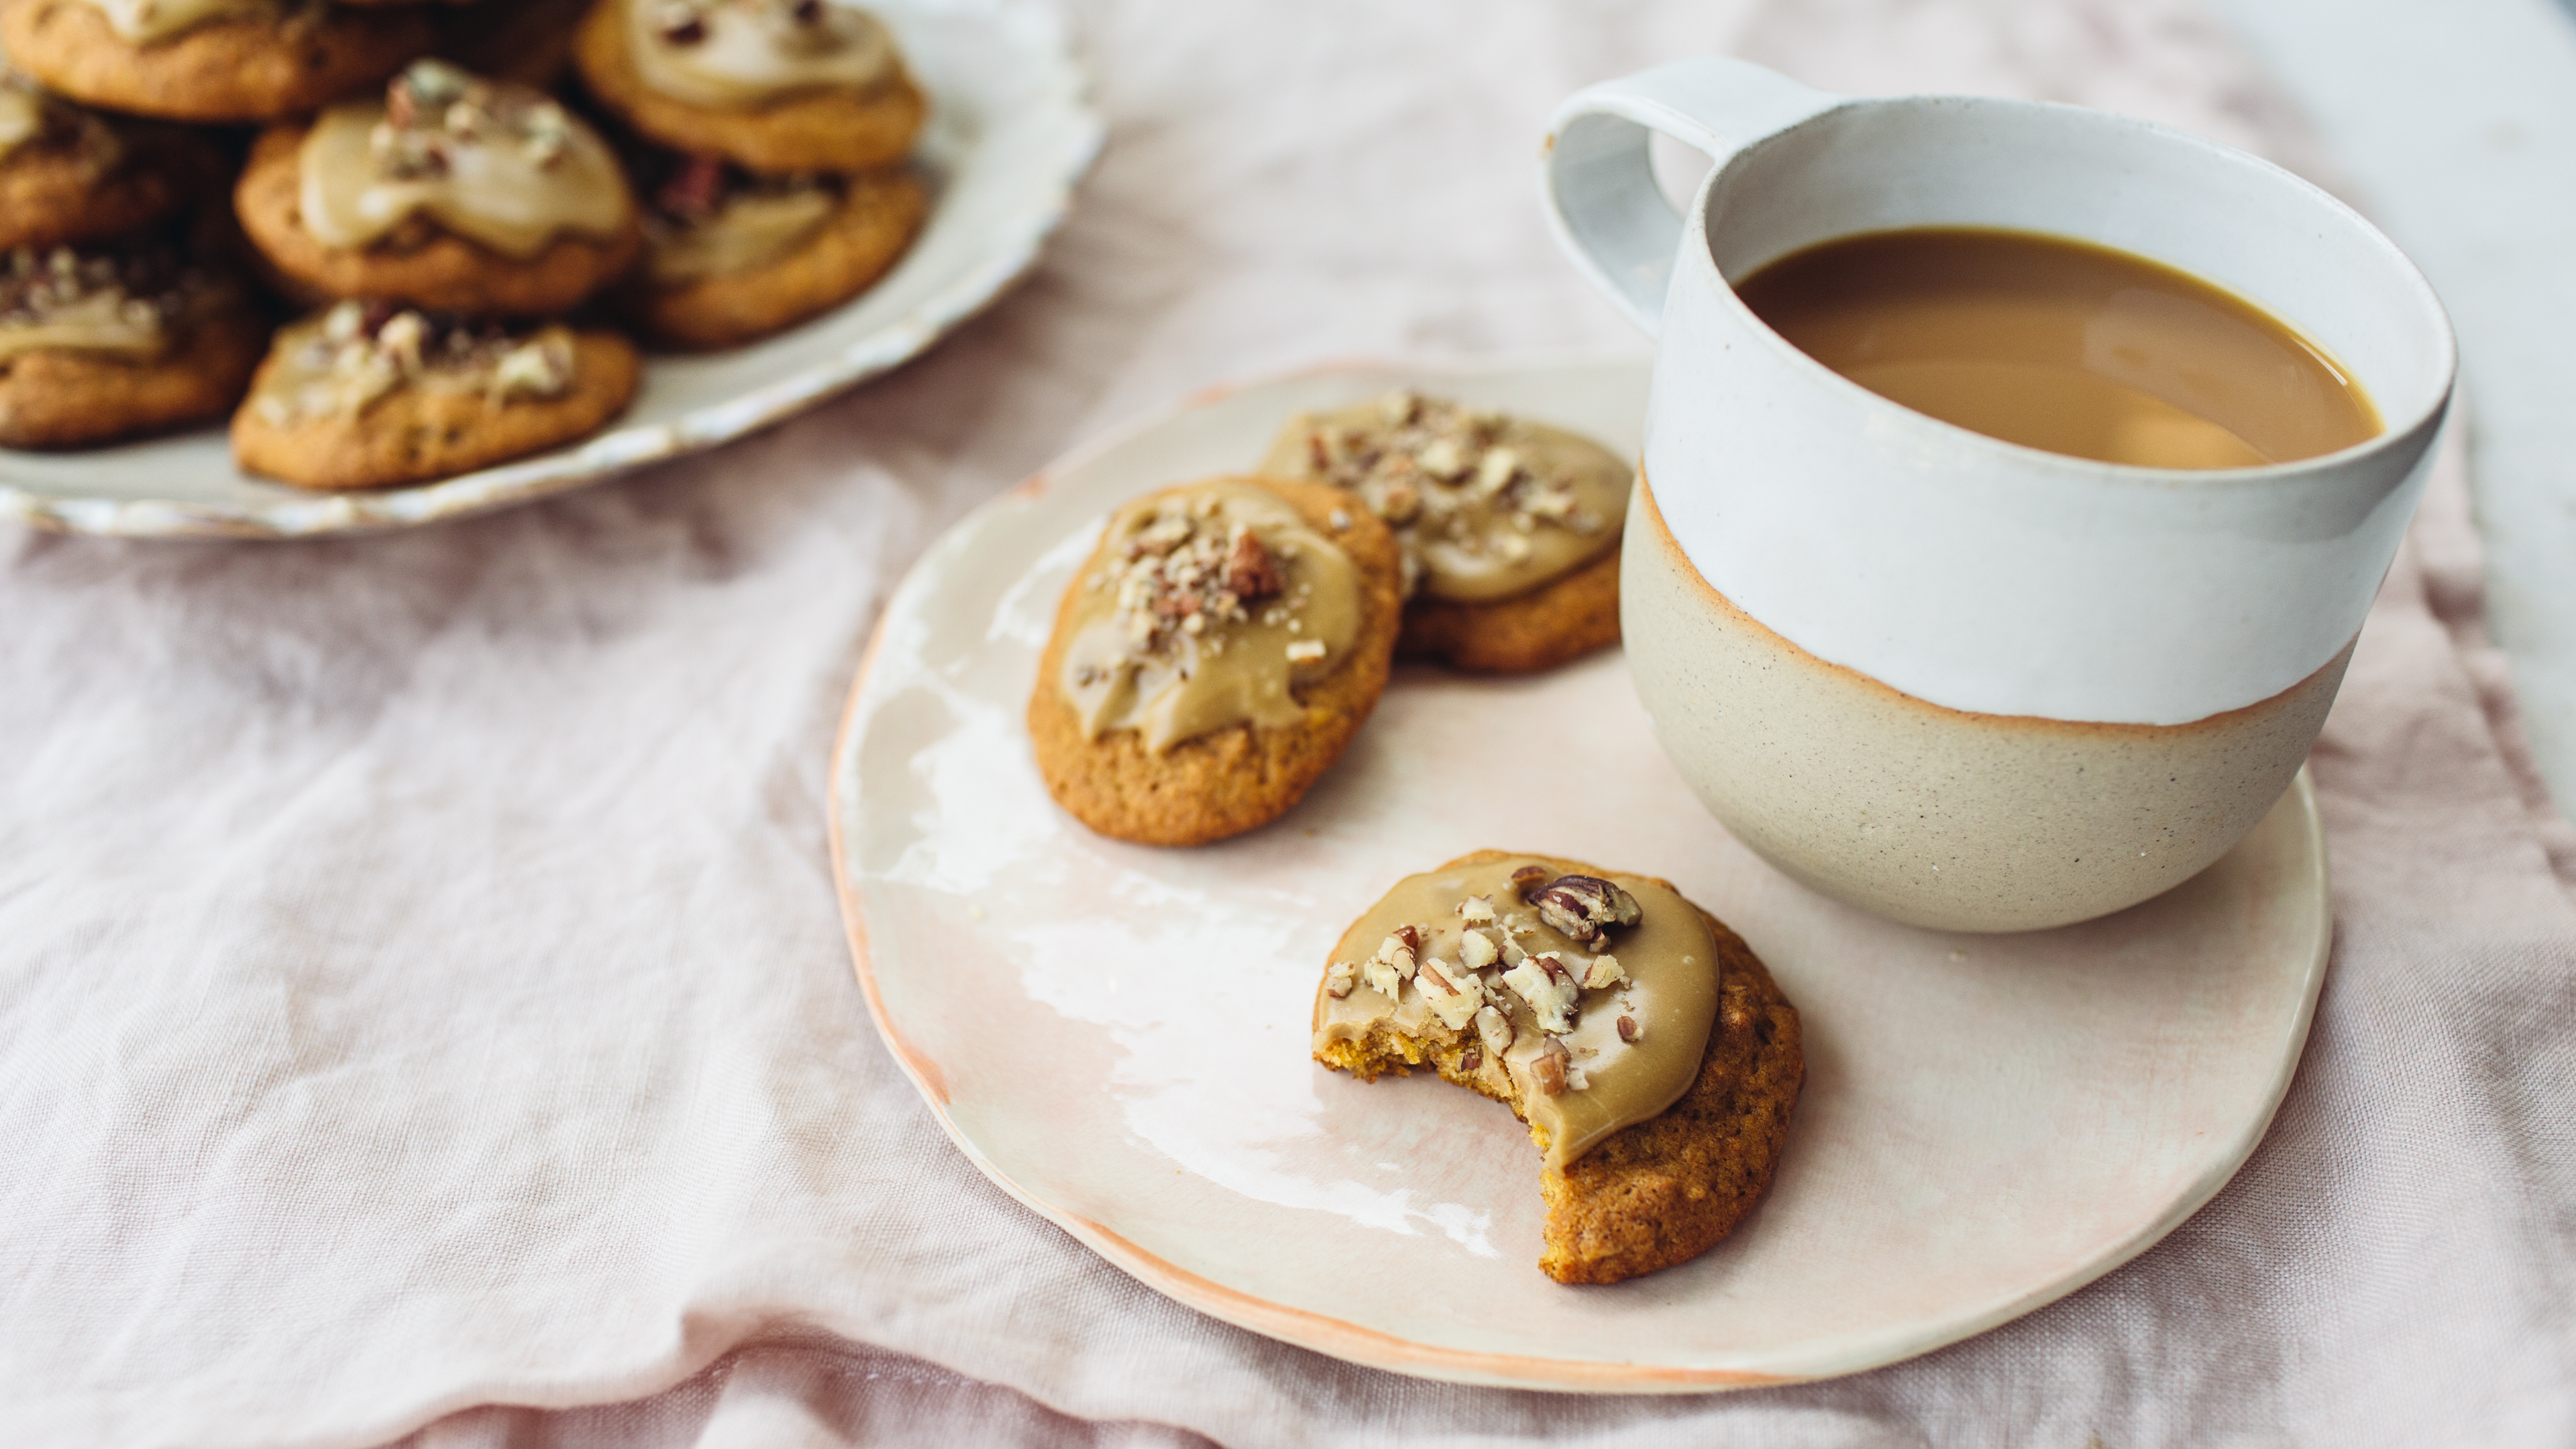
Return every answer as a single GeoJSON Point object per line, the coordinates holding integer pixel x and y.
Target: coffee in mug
{"type": "Point", "coordinates": [2058, 344]}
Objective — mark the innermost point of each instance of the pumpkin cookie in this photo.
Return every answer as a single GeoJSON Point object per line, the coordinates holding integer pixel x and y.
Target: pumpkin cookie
{"type": "Point", "coordinates": [208, 60]}
{"type": "Point", "coordinates": [99, 344]}
{"type": "Point", "coordinates": [72, 175]}
{"type": "Point", "coordinates": [449, 193]}
{"type": "Point", "coordinates": [1510, 528]}
{"type": "Point", "coordinates": [729, 257]}
{"type": "Point", "coordinates": [775, 86]}
{"type": "Point", "coordinates": [368, 397]}
{"type": "Point", "coordinates": [1650, 1052]}
{"type": "Point", "coordinates": [1213, 658]}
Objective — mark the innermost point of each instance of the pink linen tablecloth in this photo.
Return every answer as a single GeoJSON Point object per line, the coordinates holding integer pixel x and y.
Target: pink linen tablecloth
{"type": "Point", "coordinates": [423, 1009]}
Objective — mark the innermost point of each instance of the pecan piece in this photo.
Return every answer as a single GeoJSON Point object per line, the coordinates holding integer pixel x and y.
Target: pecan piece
{"type": "Point", "coordinates": [1630, 1029]}
{"type": "Point", "coordinates": [1528, 879]}
{"type": "Point", "coordinates": [1548, 1068]}
{"type": "Point", "coordinates": [1340, 978]}
{"type": "Point", "coordinates": [1250, 572]}
{"type": "Point", "coordinates": [1582, 906]}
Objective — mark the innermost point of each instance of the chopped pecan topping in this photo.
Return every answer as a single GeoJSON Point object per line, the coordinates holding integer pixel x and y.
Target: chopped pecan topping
{"type": "Point", "coordinates": [1494, 1029]}
{"type": "Point", "coordinates": [1581, 907]}
{"type": "Point", "coordinates": [1630, 1029]}
{"type": "Point", "coordinates": [1250, 571]}
{"type": "Point", "coordinates": [1605, 971]}
{"type": "Point", "coordinates": [1529, 878]}
{"type": "Point", "coordinates": [1476, 950]}
{"type": "Point", "coordinates": [1455, 998]}
{"type": "Point", "coordinates": [1549, 1068]}
{"type": "Point", "coordinates": [1339, 978]}
{"type": "Point", "coordinates": [1551, 991]}
{"type": "Point", "coordinates": [1393, 965]}
{"type": "Point", "coordinates": [1471, 1060]}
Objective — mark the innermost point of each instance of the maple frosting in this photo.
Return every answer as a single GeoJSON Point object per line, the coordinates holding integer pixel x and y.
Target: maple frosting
{"type": "Point", "coordinates": [128, 304]}
{"type": "Point", "coordinates": [708, 220]}
{"type": "Point", "coordinates": [1589, 1010]}
{"type": "Point", "coordinates": [142, 22]}
{"type": "Point", "coordinates": [743, 54]}
{"type": "Point", "coordinates": [1207, 607]}
{"type": "Point", "coordinates": [492, 161]}
{"type": "Point", "coordinates": [343, 361]}
{"type": "Point", "coordinates": [1486, 506]}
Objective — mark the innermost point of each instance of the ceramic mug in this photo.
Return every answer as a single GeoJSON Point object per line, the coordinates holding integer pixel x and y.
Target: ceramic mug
{"type": "Point", "coordinates": [1955, 681]}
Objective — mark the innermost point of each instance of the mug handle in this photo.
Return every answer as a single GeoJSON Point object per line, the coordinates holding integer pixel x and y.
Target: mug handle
{"type": "Point", "coordinates": [1603, 203]}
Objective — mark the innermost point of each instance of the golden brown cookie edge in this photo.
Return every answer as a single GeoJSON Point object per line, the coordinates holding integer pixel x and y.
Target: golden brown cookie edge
{"type": "Point", "coordinates": [1195, 792]}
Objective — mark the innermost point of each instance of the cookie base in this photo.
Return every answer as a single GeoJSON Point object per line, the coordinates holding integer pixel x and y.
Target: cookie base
{"type": "Point", "coordinates": [1663, 1191]}
{"type": "Point", "coordinates": [435, 270]}
{"type": "Point", "coordinates": [224, 71]}
{"type": "Point", "coordinates": [68, 399]}
{"type": "Point", "coordinates": [416, 437]}
{"type": "Point", "coordinates": [1234, 779]}
{"type": "Point", "coordinates": [878, 217]}
{"type": "Point", "coordinates": [1546, 627]}
{"type": "Point", "coordinates": [837, 131]}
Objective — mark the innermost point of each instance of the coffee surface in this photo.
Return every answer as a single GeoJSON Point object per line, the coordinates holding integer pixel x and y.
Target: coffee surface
{"type": "Point", "coordinates": [2063, 345]}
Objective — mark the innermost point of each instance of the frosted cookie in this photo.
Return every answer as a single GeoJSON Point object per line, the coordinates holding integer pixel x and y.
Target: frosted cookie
{"type": "Point", "coordinates": [1510, 528]}
{"type": "Point", "coordinates": [208, 60]}
{"type": "Point", "coordinates": [775, 86]}
{"type": "Point", "coordinates": [1213, 658]}
{"type": "Point", "coordinates": [1648, 1049]}
{"type": "Point", "coordinates": [99, 344]}
{"type": "Point", "coordinates": [446, 192]}
{"type": "Point", "coordinates": [729, 257]}
{"type": "Point", "coordinates": [370, 397]}
{"type": "Point", "coordinates": [68, 174]}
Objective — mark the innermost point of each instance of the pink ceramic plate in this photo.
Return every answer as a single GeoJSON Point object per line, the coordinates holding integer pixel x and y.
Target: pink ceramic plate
{"type": "Point", "coordinates": [1117, 1035]}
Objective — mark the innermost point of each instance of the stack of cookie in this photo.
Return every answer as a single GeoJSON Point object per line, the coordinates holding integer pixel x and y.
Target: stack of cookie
{"type": "Point", "coordinates": [455, 239]}
{"type": "Point", "coordinates": [773, 136]}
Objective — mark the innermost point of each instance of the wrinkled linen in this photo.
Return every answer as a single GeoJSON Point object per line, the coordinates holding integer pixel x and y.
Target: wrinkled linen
{"type": "Point", "coordinates": [422, 1001]}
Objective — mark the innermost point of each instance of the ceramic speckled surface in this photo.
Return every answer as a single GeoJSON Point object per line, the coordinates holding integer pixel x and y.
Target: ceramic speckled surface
{"type": "Point", "coordinates": [1011, 131]}
{"type": "Point", "coordinates": [1117, 1035]}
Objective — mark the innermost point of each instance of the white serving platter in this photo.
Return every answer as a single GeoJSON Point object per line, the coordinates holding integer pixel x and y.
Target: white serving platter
{"type": "Point", "coordinates": [1011, 131]}
{"type": "Point", "coordinates": [1117, 1035]}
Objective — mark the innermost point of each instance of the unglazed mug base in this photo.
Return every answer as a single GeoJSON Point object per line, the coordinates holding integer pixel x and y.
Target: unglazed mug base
{"type": "Point", "coordinates": [1933, 816]}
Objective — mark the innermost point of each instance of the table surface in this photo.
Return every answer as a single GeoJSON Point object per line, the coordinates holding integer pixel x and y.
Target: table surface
{"type": "Point", "coordinates": [2455, 124]}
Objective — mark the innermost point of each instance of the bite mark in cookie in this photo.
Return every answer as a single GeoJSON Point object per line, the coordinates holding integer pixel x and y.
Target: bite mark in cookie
{"type": "Point", "coordinates": [1648, 1050]}
{"type": "Point", "coordinates": [1212, 658]}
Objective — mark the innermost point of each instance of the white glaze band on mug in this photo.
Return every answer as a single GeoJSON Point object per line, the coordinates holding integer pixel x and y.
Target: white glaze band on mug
{"type": "Point", "coordinates": [1962, 570]}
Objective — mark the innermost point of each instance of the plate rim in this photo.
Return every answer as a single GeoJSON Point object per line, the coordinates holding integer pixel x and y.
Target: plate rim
{"type": "Point", "coordinates": [623, 449]}
{"type": "Point", "coordinates": [1375, 1348]}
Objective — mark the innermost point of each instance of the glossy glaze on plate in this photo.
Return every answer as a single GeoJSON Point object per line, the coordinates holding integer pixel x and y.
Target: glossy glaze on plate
{"type": "Point", "coordinates": [1117, 1035]}
{"type": "Point", "coordinates": [1011, 130]}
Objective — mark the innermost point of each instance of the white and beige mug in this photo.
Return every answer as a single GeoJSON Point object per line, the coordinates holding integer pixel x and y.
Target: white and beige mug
{"type": "Point", "coordinates": [1951, 680]}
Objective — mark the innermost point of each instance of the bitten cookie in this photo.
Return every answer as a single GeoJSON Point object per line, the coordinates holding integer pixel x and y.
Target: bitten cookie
{"type": "Point", "coordinates": [368, 397]}
{"type": "Point", "coordinates": [1510, 528]}
{"type": "Point", "coordinates": [1213, 657]}
{"type": "Point", "coordinates": [100, 344]}
{"type": "Point", "coordinates": [72, 175]}
{"type": "Point", "coordinates": [775, 86]}
{"type": "Point", "coordinates": [448, 192]}
{"type": "Point", "coordinates": [208, 60]}
{"type": "Point", "coordinates": [1647, 1047]}
{"type": "Point", "coordinates": [729, 257]}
